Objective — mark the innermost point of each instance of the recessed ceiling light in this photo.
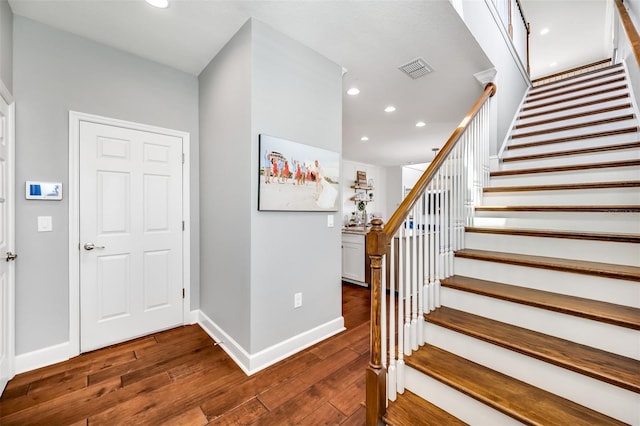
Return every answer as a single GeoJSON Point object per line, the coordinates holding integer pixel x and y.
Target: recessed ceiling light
{"type": "Point", "coordinates": [544, 31]}
{"type": "Point", "coordinates": [364, 139]}
{"type": "Point", "coordinates": [353, 91]}
{"type": "Point", "coordinates": [421, 124]}
{"type": "Point", "coordinates": [390, 108]}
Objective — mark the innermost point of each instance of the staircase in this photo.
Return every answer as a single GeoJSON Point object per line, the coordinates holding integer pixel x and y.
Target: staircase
{"type": "Point", "coordinates": [540, 323]}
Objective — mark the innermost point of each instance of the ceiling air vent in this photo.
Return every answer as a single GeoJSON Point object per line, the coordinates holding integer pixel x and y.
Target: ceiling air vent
{"type": "Point", "coordinates": [416, 68]}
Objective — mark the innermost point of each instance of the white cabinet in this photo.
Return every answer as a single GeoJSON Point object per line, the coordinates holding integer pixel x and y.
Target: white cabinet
{"type": "Point", "coordinates": [353, 258]}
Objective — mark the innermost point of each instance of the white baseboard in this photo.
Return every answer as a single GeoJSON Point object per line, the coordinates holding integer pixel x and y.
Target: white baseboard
{"type": "Point", "coordinates": [192, 317]}
{"type": "Point", "coordinates": [249, 363]}
{"type": "Point", "coordinates": [252, 363]}
{"type": "Point", "coordinates": [42, 357]}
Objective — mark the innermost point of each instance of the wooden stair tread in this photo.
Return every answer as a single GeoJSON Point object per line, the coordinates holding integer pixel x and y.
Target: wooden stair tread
{"type": "Point", "coordinates": [566, 77]}
{"type": "Point", "coordinates": [512, 397]}
{"type": "Point", "coordinates": [574, 106]}
{"type": "Point", "coordinates": [561, 209]}
{"type": "Point", "coordinates": [623, 272]}
{"type": "Point", "coordinates": [575, 98]}
{"type": "Point", "coordinates": [601, 365]}
{"type": "Point", "coordinates": [623, 316]}
{"type": "Point", "coordinates": [580, 151]}
{"type": "Point", "coordinates": [409, 409]}
{"type": "Point", "coordinates": [565, 186]}
{"type": "Point", "coordinates": [575, 138]}
{"type": "Point", "coordinates": [567, 168]}
{"type": "Point", "coordinates": [605, 74]}
{"type": "Point", "coordinates": [534, 97]}
{"type": "Point", "coordinates": [625, 117]}
{"type": "Point", "coordinates": [573, 116]}
{"type": "Point", "coordinates": [543, 233]}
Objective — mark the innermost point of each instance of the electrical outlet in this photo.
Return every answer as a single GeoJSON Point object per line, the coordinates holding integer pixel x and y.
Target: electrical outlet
{"type": "Point", "coordinates": [297, 300]}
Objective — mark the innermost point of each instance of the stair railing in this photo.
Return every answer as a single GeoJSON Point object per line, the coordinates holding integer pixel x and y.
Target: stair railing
{"type": "Point", "coordinates": [417, 243]}
{"type": "Point", "coordinates": [629, 28]}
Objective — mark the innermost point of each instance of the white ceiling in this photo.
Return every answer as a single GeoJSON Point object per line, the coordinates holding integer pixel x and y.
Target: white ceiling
{"type": "Point", "coordinates": [580, 32]}
{"type": "Point", "coordinates": [370, 39]}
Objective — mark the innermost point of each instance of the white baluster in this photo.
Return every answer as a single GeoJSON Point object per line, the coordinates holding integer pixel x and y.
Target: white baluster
{"type": "Point", "coordinates": [421, 277]}
{"type": "Point", "coordinates": [414, 282]}
{"type": "Point", "coordinates": [391, 371]}
{"type": "Point", "coordinates": [407, 286]}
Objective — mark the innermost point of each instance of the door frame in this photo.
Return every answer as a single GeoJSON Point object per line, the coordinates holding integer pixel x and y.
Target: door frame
{"type": "Point", "coordinates": [73, 194]}
{"type": "Point", "coordinates": [11, 237]}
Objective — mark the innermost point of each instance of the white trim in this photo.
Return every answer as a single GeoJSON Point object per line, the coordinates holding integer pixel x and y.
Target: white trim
{"type": "Point", "coordinates": [7, 98]}
{"type": "Point", "coordinates": [74, 220]}
{"type": "Point", "coordinates": [505, 35]}
{"type": "Point", "coordinates": [11, 198]}
{"type": "Point", "coordinates": [516, 116]}
{"type": "Point", "coordinates": [252, 363]}
{"type": "Point", "coordinates": [627, 76]}
{"type": "Point", "coordinates": [5, 93]}
{"type": "Point", "coordinates": [42, 357]}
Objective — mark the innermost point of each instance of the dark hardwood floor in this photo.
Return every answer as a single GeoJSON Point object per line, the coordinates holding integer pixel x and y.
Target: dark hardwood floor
{"type": "Point", "coordinates": [178, 377]}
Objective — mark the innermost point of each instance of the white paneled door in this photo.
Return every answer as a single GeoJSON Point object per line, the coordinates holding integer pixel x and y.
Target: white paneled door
{"type": "Point", "coordinates": [130, 233]}
{"type": "Point", "coordinates": [6, 245]}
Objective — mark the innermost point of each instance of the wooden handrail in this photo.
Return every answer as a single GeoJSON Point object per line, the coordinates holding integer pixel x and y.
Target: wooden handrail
{"type": "Point", "coordinates": [377, 241]}
{"type": "Point", "coordinates": [528, 27]}
{"type": "Point", "coordinates": [407, 203]}
{"type": "Point", "coordinates": [630, 29]}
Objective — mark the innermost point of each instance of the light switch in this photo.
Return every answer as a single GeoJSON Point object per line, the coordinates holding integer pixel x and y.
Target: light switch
{"type": "Point", "coordinates": [330, 221]}
{"type": "Point", "coordinates": [45, 224]}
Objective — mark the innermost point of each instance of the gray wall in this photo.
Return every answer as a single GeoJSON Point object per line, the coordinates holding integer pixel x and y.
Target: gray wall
{"type": "Point", "coordinates": [254, 262]}
{"type": "Point", "coordinates": [297, 95]}
{"type": "Point", "coordinates": [225, 202]}
{"type": "Point", "coordinates": [6, 44]}
{"type": "Point", "coordinates": [56, 72]}
{"type": "Point", "coordinates": [510, 81]}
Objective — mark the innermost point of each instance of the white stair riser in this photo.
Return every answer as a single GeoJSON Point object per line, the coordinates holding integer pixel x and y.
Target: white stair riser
{"type": "Point", "coordinates": [576, 81]}
{"type": "Point", "coordinates": [575, 176]}
{"type": "Point", "coordinates": [594, 251]}
{"type": "Point", "coordinates": [580, 132]}
{"type": "Point", "coordinates": [610, 338]}
{"type": "Point", "coordinates": [610, 290]}
{"type": "Point", "coordinates": [456, 403]}
{"type": "Point", "coordinates": [608, 196]}
{"type": "Point", "coordinates": [525, 112]}
{"type": "Point", "coordinates": [604, 72]}
{"type": "Point", "coordinates": [525, 119]}
{"type": "Point", "coordinates": [582, 92]}
{"type": "Point", "coordinates": [573, 121]}
{"type": "Point", "coordinates": [588, 222]}
{"type": "Point", "coordinates": [570, 145]}
{"type": "Point", "coordinates": [616, 155]}
{"type": "Point", "coordinates": [597, 395]}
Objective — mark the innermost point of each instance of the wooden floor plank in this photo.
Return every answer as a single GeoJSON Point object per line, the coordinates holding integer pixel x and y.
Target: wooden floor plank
{"type": "Point", "coordinates": [245, 414]}
{"type": "Point", "coordinates": [326, 414]}
{"type": "Point", "coordinates": [177, 376]}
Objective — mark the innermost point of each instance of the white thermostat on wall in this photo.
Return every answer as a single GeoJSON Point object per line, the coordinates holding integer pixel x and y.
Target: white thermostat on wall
{"type": "Point", "coordinates": [43, 190]}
